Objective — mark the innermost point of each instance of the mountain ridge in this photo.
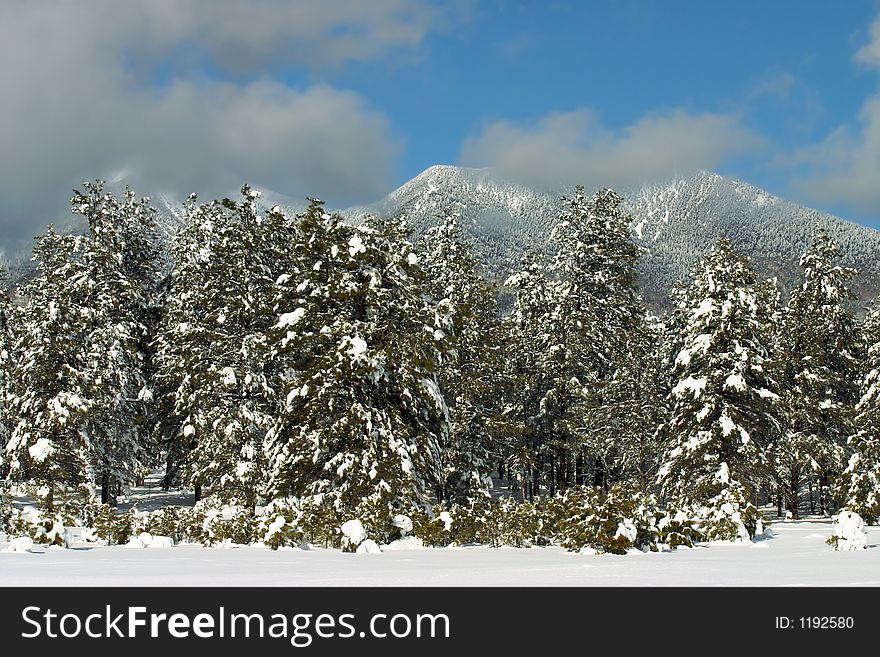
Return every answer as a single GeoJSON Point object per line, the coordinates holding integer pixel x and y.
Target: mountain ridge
{"type": "Point", "coordinates": [674, 222]}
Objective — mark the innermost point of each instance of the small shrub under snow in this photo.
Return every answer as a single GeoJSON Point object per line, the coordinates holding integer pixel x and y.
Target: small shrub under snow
{"type": "Point", "coordinates": [588, 520]}
{"type": "Point", "coordinates": [369, 546]}
{"type": "Point", "coordinates": [354, 533]}
{"type": "Point", "coordinates": [21, 544]}
{"type": "Point", "coordinates": [849, 532]}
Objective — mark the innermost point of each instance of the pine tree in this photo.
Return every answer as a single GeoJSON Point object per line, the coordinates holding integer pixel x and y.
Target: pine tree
{"type": "Point", "coordinates": [722, 418]}
{"type": "Point", "coordinates": [117, 293]}
{"type": "Point", "coordinates": [5, 362]}
{"type": "Point", "coordinates": [213, 365]}
{"type": "Point", "coordinates": [861, 479]}
{"type": "Point", "coordinates": [470, 375]}
{"type": "Point", "coordinates": [819, 347]}
{"type": "Point", "coordinates": [624, 411]}
{"type": "Point", "coordinates": [574, 328]}
{"type": "Point", "coordinates": [528, 327]}
{"type": "Point", "coordinates": [595, 311]}
{"type": "Point", "coordinates": [50, 392]}
{"type": "Point", "coordinates": [595, 271]}
{"type": "Point", "coordinates": [360, 431]}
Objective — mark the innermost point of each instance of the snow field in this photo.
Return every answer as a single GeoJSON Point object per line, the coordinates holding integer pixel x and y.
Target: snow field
{"type": "Point", "coordinates": [792, 553]}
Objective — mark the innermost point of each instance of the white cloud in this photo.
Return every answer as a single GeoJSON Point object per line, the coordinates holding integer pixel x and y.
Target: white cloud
{"type": "Point", "coordinates": [779, 86]}
{"type": "Point", "coordinates": [575, 147]}
{"type": "Point", "coordinates": [844, 167]}
{"type": "Point", "coordinates": [89, 89]}
{"type": "Point", "coordinates": [870, 53]}
{"type": "Point", "coordinates": [246, 37]}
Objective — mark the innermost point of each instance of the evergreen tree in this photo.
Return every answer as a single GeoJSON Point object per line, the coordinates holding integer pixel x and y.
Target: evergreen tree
{"type": "Point", "coordinates": [624, 411]}
{"type": "Point", "coordinates": [5, 362]}
{"type": "Point", "coordinates": [528, 328]}
{"type": "Point", "coordinates": [594, 314]}
{"type": "Point", "coordinates": [574, 326]}
{"type": "Point", "coordinates": [50, 389]}
{"type": "Point", "coordinates": [213, 365]}
{"type": "Point", "coordinates": [470, 375]}
{"type": "Point", "coordinates": [117, 293]}
{"type": "Point", "coordinates": [861, 480]}
{"type": "Point", "coordinates": [362, 424]}
{"type": "Point", "coordinates": [596, 280]}
{"type": "Point", "coordinates": [819, 348]}
{"type": "Point", "coordinates": [721, 420]}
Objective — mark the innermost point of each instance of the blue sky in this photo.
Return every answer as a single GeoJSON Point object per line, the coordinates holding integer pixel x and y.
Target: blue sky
{"type": "Point", "coordinates": [786, 68]}
{"type": "Point", "coordinates": [347, 99]}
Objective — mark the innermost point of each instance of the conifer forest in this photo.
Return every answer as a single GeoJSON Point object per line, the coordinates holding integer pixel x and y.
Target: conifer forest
{"type": "Point", "coordinates": [312, 379]}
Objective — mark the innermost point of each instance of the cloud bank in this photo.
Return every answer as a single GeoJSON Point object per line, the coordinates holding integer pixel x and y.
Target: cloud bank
{"type": "Point", "coordinates": [844, 167]}
{"type": "Point", "coordinates": [188, 95]}
{"type": "Point", "coordinates": [575, 147]}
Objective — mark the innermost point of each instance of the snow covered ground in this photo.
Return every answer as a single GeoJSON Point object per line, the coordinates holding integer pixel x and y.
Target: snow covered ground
{"type": "Point", "coordinates": [794, 555]}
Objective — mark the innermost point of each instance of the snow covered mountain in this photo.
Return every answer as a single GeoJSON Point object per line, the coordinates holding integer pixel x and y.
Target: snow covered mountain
{"type": "Point", "coordinates": [502, 218]}
{"type": "Point", "coordinates": [678, 221]}
{"type": "Point", "coordinates": [675, 222]}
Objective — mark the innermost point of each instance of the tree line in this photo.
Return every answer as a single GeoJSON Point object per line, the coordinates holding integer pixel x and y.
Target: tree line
{"type": "Point", "coordinates": [262, 356]}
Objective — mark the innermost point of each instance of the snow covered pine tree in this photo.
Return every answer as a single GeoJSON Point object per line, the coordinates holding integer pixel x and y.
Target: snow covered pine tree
{"type": "Point", "coordinates": [583, 312]}
{"type": "Point", "coordinates": [471, 374]}
{"type": "Point", "coordinates": [5, 362]}
{"type": "Point", "coordinates": [214, 364]}
{"type": "Point", "coordinates": [49, 387]}
{"type": "Point", "coordinates": [117, 286]}
{"type": "Point", "coordinates": [860, 482]}
{"type": "Point", "coordinates": [359, 433]}
{"type": "Point", "coordinates": [819, 345]}
{"type": "Point", "coordinates": [523, 446]}
{"type": "Point", "coordinates": [722, 419]}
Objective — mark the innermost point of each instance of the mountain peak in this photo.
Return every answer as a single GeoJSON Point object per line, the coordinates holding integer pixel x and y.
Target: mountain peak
{"type": "Point", "coordinates": [675, 221]}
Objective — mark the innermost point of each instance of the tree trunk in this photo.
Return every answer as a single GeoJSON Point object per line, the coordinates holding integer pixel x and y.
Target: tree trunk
{"type": "Point", "coordinates": [197, 493]}
{"type": "Point", "coordinates": [599, 478]}
{"type": "Point", "coordinates": [105, 488]}
{"type": "Point", "coordinates": [793, 490]}
{"type": "Point", "coordinates": [823, 496]}
{"type": "Point", "coordinates": [562, 474]}
{"type": "Point", "coordinates": [169, 474]}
